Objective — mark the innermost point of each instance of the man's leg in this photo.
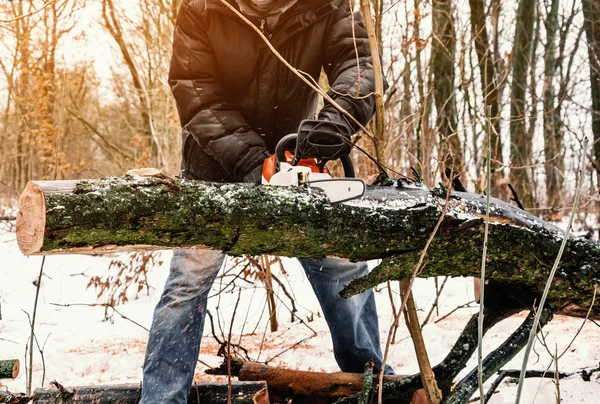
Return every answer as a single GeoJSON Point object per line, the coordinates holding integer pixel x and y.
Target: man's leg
{"type": "Point", "coordinates": [177, 326]}
{"type": "Point", "coordinates": [352, 322]}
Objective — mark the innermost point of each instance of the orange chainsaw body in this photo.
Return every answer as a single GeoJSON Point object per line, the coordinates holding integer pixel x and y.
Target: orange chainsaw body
{"type": "Point", "coordinates": [270, 165]}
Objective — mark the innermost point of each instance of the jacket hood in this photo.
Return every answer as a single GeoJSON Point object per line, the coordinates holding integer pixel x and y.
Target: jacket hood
{"type": "Point", "coordinates": [266, 7]}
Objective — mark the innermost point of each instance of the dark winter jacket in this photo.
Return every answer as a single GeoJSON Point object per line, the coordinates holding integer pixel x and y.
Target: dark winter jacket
{"type": "Point", "coordinates": [236, 99]}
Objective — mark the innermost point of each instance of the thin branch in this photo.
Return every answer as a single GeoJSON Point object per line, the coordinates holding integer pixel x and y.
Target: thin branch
{"type": "Point", "coordinates": [292, 347]}
{"type": "Point", "coordinates": [462, 306]}
{"type": "Point", "coordinates": [105, 305]}
{"type": "Point", "coordinates": [59, 127]}
{"type": "Point", "coordinates": [551, 276]}
{"type": "Point", "coordinates": [32, 335]}
{"type": "Point", "coordinates": [409, 289]}
{"type": "Point", "coordinates": [229, 346]}
{"type": "Point", "coordinates": [582, 324]}
{"type": "Point", "coordinates": [95, 131]}
{"type": "Point", "coordinates": [20, 17]}
{"type": "Point", "coordinates": [433, 393]}
{"type": "Point", "coordinates": [435, 304]}
{"type": "Point", "coordinates": [483, 261]}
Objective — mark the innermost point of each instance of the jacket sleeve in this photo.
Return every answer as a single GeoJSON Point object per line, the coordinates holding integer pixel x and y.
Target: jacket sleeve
{"type": "Point", "coordinates": [343, 48]}
{"type": "Point", "coordinates": [204, 111]}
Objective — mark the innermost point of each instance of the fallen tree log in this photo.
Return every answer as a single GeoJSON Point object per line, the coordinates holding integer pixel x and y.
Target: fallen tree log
{"type": "Point", "coordinates": [9, 398]}
{"type": "Point", "coordinates": [313, 387]}
{"type": "Point", "coordinates": [393, 223]}
{"type": "Point", "coordinates": [214, 393]}
{"type": "Point", "coordinates": [9, 369]}
{"type": "Point", "coordinates": [155, 211]}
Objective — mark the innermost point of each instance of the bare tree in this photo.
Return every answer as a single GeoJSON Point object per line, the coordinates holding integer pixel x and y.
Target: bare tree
{"type": "Point", "coordinates": [520, 140]}
{"type": "Point", "coordinates": [489, 82]}
{"type": "Point", "coordinates": [591, 13]}
{"type": "Point", "coordinates": [442, 62]}
{"type": "Point", "coordinates": [552, 130]}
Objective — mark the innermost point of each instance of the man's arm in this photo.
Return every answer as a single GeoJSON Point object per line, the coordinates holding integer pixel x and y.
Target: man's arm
{"type": "Point", "coordinates": [342, 50]}
{"type": "Point", "coordinates": [215, 124]}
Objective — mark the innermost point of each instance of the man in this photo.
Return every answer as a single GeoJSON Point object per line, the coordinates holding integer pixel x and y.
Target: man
{"type": "Point", "coordinates": [235, 101]}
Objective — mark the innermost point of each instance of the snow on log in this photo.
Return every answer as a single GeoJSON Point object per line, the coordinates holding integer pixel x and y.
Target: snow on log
{"type": "Point", "coordinates": [151, 210]}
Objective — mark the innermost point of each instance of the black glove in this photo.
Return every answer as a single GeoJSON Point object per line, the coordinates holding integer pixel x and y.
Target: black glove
{"type": "Point", "coordinates": [331, 114]}
{"type": "Point", "coordinates": [254, 176]}
{"type": "Point", "coordinates": [323, 139]}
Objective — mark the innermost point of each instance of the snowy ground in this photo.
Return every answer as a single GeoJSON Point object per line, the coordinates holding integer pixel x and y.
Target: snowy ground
{"type": "Point", "coordinates": [81, 347]}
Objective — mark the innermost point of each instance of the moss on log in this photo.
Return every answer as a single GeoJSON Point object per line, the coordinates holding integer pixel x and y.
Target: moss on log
{"type": "Point", "coordinates": [9, 369]}
{"type": "Point", "coordinates": [236, 218]}
{"type": "Point", "coordinates": [393, 222]}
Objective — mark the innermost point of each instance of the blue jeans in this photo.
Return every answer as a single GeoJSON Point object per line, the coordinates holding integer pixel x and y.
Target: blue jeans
{"type": "Point", "coordinates": [178, 323]}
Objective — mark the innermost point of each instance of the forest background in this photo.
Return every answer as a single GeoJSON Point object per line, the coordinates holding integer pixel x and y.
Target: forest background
{"type": "Point", "coordinates": [84, 92]}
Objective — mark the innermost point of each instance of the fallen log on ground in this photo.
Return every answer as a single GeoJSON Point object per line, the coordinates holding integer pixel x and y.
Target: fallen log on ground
{"type": "Point", "coordinates": [156, 211]}
{"type": "Point", "coordinates": [394, 222]}
{"type": "Point", "coordinates": [9, 398]}
{"type": "Point", "coordinates": [9, 369]}
{"type": "Point", "coordinates": [313, 387]}
{"type": "Point", "coordinates": [214, 393]}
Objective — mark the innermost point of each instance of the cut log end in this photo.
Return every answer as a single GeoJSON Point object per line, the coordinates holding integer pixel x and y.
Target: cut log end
{"type": "Point", "coordinates": [16, 368]}
{"type": "Point", "coordinates": [31, 219]}
{"type": "Point", "coordinates": [9, 369]}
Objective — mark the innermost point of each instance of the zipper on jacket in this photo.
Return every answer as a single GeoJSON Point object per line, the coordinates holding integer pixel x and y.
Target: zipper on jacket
{"type": "Point", "coordinates": [264, 30]}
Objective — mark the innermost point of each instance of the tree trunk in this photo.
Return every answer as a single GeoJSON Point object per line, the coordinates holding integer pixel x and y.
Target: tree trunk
{"type": "Point", "coordinates": [489, 84]}
{"type": "Point", "coordinates": [552, 131]}
{"type": "Point", "coordinates": [520, 142]}
{"type": "Point", "coordinates": [432, 392]}
{"type": "Point", "coordinates": [216, 393]}
{"type": "Point", "coordinates": [379, 139]}
{"type": "Point", "coordinates": [394, 222]}
{"type": "Point", "coordinates": [442, 62]}
{"type": "Point", "coordinates": [9, 369]}
{"type": "Point", "coordinates": [113, 25]}
{"type": "Point", "coordinates": [591, 14]}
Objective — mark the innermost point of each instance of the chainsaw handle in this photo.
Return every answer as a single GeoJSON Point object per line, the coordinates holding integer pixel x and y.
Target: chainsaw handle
{"type": "Point", "coordinates": [348, 167]}
{"type": "Point", "coordinates": [288, 143]}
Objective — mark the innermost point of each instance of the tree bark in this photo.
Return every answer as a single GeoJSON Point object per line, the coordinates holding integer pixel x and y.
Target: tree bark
{"type": "Point", "coordinates": [216, 393]}
{"type": "Point", "coordinates": [520, 141]}
{"type": "Point", "coordinates": [497, 359]}
{"type": "Point", "coordinates": [379, 139]}
{"type": "Point", "coordinates": [9, 369]}
{"type": "Point", "coordinates": [403, 391]}
{"type": "Point", "coordinates": [432, 392]}
{"type": "Point", "coordinates": [394, 222]}
{"type": "Point", "coordinates": [489, 83]}
{"type": "Point", "coordinates": [591, 14]}
{"type": "Point", "coordinates": [442, 62]}
{"type": "Point", "coordinates": [552, 128]}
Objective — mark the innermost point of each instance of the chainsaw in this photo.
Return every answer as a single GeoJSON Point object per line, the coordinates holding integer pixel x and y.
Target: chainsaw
{"type": "Point", "coordinates": [300, 160]}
